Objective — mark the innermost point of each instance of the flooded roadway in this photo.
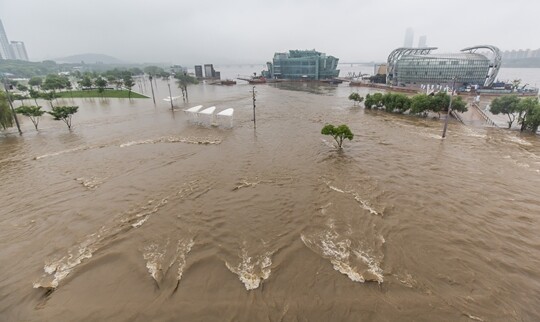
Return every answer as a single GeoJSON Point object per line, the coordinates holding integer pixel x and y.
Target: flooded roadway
{"type": "Point", "coordinates": [139, 215]}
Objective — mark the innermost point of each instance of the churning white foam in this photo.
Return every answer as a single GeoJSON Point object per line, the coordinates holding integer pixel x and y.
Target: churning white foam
{"type": "Point", "coordinates": [252, 270]}
{"type": "Point", "coordinates": [363, 203]}
{"type": "Point", "coordinates": [57, 270]}
{"type": "Point", "coordinates": [345, 255]}
{"type": "Point", "coordinates": [90, 183]}
{"type": "Point", "coordinates": [172, 139]}
{"type": "Point", "coordinates": [182, 249]}
{"type": "Point", "coordinates": [154, 260]}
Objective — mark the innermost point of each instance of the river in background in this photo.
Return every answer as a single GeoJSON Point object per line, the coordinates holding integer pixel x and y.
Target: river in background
{"type": "Point", "coordinates": [138, 214]}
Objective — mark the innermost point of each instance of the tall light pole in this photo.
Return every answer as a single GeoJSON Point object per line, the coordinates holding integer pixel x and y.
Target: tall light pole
{"type": "Point", "coordinates": [152, 87]}
{"type": "Point", "coordinates": [254, 122]}
{"type": "Point", "coordinates": [449, 108]}
{"type": "Point", "coordinates": [11, 105]}
{"type": "Point", "coordinates": [170, 95]}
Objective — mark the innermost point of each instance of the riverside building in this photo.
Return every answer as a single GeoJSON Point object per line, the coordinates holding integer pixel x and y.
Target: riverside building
{"type": "Point", "coordinates": [302, 64]}
{"type": "Point", "coordinates": [408, 66]}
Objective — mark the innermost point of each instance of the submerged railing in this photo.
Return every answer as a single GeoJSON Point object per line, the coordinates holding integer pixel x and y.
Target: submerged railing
{"type": "Point", "coordinates": [484, 115]}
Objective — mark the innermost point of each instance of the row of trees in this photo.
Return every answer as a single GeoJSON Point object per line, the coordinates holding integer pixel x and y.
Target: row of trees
{"type": "Point", "coordinates": [525, 110]}
{"type": "Point", "coordinates": [420, 104]}
{"type": "Point", "coordinates": [59, 113]}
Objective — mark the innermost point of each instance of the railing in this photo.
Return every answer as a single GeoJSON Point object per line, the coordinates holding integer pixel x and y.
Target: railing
{"type": "Point", "coordinates": [457, 116]}
{"type": "Point", "coordinates": [484, 115]}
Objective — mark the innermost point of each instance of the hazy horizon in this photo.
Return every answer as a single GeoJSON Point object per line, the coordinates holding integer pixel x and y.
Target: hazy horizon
{"type": "Point", "coordinates": [250, 32]}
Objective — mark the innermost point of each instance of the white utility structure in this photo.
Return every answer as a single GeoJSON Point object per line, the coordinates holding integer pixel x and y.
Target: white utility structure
{"type": "Point", "coordinates": [207, 112]}
{"type": "Point", "coordinates": [192, 112]}
{"type": "Point", "coordinates": [226, 113]}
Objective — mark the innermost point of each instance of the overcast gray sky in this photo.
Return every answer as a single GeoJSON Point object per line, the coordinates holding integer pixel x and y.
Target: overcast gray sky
{"type": "Point", "coordinates": [250, 31]}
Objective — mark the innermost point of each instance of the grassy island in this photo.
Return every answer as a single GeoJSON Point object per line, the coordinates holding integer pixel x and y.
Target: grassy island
{"type": "Point", "coordinates": [96, 93]}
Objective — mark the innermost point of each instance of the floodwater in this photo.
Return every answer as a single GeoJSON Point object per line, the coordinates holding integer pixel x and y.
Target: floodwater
{"type": "Point", "coordinates": [138, 214]}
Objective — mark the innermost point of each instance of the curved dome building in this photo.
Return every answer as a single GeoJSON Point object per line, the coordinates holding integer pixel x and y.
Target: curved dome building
{"type": "Point", "coordinates": [420, 66]}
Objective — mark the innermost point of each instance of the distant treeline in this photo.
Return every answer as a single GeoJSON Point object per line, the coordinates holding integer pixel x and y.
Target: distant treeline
{"type": "Point", "coordinates": [26, 69]}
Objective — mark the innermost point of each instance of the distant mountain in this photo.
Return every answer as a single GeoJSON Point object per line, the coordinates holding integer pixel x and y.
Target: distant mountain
{"type": "Point", "coordinates": [89, 59]}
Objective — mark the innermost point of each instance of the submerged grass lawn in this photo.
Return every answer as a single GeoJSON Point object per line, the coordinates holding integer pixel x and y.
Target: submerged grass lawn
{"type": "Point", "coordinates": [95, 93]}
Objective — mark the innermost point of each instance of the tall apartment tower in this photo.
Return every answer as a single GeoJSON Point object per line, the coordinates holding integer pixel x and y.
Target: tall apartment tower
{"type": "Point", "coordinates": [422, 41]}
{"type": "Point", "coordinates": [209, 71]}
{"type": "Point", "coordinates": [5, 48]}
{"type": "Point", "coordinates": [409, 36]}
{"type": "Point", "coordinates": [198, 71]}
{"type": "Point", "coordinates": [19, 50]}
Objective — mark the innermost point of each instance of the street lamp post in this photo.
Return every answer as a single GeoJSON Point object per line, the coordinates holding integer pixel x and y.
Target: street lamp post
{"type": "Point", "coordinates": [170, 95]}
{"type": "Point", "coordinates": [254, 123]}
{"type": "Point", "coordinates": [449, 108]}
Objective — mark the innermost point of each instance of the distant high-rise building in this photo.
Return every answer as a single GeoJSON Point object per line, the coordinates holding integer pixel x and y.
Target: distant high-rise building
{"type": "Point", "coordinates": [209, 71]}
{"type": "Point", "coordinates": [422, 41]}
{"type": "Point", "coordinates": [5, 48]}
{"type": "Point", "coordinates": [19, 50]}
{"type": "Point", "coordinates": [409, 36]}
{"type": "Point", "coordinates": [198, 71]}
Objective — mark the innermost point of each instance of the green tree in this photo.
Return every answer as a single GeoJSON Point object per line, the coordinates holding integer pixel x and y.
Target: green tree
{"type": "Point", "coordinates": [129, 83]}
{"type": "Point", "coordinates": [396, 102]}
{"type": "Point", "coordinates": [22, 88]}
{"type": "Point", "coordinates": [420, 104]}
{"type": "Point", "coordinates": [439, 103]}
{"type": "Point", "coordinates": [55, 82]}
{"type": "Point", "coordinates": [100, 83]}
{"type": "Point", "coordinates": [356, 98]}
{"type": "Point", "coordinates": [505, 105]}
{"type": "Point", "coordinates": [6, 117]}
{"type": "Point", "coordinates": [339, 133]}
{"type": "Point", "coordinates": [19, 97]}
{"type": "Point", "coordinates": [529, 114]}
{"type": "Point", "coordinates": [375, 100]}
{"type": "Point", "coordinates": [183, 80]}
{"type": "Point", "coordinates": [64, 113]}
{"type": "Point", "coordinates": [33, 112]}
{"type": "Point", "coordinates": [35, 81]}
{"type": "Point", "coordinates": [49, 96]}
{"type": "Point", "coordinates": [532, 120]}
{"type": "Point", "coordinates": [35, 95]}
{"type": "Point", "coordinates": [86, 82]}
{"type": "Point", "coordinates": [458, 104]}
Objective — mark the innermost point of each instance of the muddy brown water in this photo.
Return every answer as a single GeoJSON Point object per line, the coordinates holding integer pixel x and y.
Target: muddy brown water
{"type": "Point", "coordinates": [138, 214]}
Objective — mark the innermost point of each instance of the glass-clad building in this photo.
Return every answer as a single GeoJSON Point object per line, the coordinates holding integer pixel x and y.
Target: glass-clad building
{"type": "Point", "coordinates": [468, 68]}
{"type": "Point", "coordinates": [303, 64]}
{"type": "Point", "coordinates": [408, 66]}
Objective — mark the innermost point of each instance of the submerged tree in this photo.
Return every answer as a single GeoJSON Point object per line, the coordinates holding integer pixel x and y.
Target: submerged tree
{"type": "Point", "coordinates": [35, 95]}
{"type": "Point", "coordinates": [506, 105]}
{"type": "Point", "coordinates": [49, 96]}
{"type": "Point", "coordinates": [339, 133]}
{"type": "Point", "coordinates": [356, 98]}
{"type": "Point", "coordinates": [33, 112]}
{"type": "Point", "coordinates": [529, 114]}
{"type": "Point", "coordinates": [6, 117]}
{"type": "Point", "coordinates": [183, 80]}
{"type": "Point", "coordinates": [64, 113]}
{"type": "Point", "coordinates": [100, 83]}
{"type": "Point", "coordinates": [129, 83]}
